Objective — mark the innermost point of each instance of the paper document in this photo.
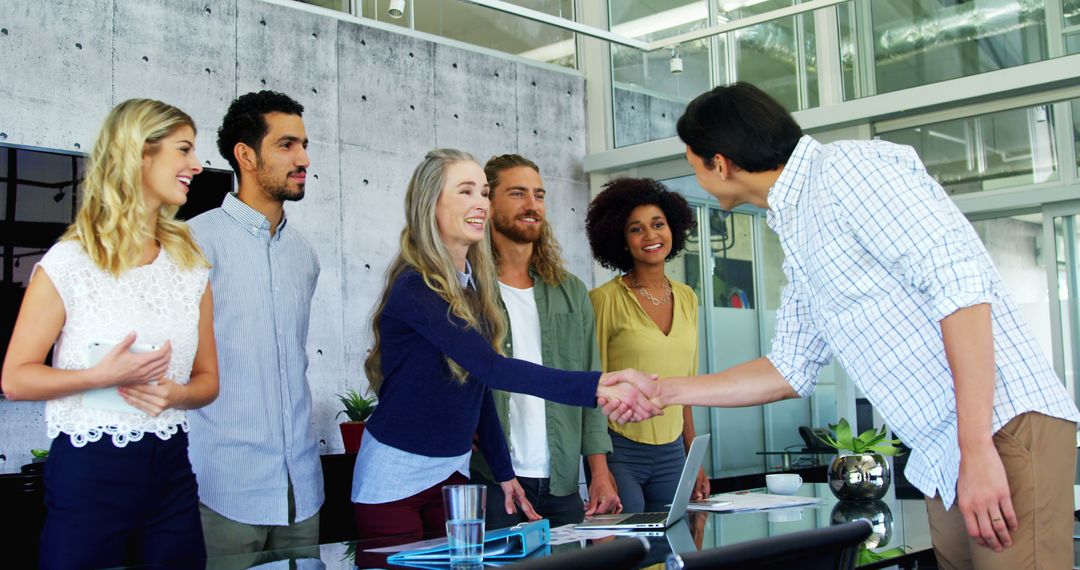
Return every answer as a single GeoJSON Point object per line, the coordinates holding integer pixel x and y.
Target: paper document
{"type": "Point", "coordinates": [737, 502]}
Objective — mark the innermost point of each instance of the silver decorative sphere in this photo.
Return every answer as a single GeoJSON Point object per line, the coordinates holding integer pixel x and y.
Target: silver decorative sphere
{"type": "Point", "coordinates": [862, 477]}
{"type": "Point", "coordinates": [877, 513]}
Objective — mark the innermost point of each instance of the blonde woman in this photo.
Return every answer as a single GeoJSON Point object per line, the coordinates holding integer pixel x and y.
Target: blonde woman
{"type": "Point", "coordinates": [438, 330]}
{"type": "Point", "coordinates": [126, 275]}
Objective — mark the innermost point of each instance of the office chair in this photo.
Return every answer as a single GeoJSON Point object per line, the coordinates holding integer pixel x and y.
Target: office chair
{"type": "Point", "coordinates": [619, 554]}
{"type": "Point", "coordinates": [829, 548]}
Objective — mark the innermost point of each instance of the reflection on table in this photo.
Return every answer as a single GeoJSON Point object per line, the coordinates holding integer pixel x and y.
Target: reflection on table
{"type": "Point", "coordinates": [794, 459]}
{"type": "Point", "coordinates": [901, 535]}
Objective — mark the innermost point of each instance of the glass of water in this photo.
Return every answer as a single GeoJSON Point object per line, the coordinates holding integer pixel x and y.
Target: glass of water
{"type": "Point", "coordinates": [465, 522]}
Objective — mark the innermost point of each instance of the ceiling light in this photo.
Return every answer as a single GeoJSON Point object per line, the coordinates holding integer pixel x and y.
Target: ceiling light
{"type": "Point", "coordinates": [396, 9]}
{"type": "Point", "coordinates": [676, 64]}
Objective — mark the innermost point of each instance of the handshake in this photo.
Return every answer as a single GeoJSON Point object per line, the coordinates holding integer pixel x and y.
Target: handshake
{"type": "Point", "coordinates": [629, 395]}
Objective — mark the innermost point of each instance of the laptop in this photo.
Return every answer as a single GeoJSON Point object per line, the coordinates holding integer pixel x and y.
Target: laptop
{"type": "Point", "coordinates": [644, 521]}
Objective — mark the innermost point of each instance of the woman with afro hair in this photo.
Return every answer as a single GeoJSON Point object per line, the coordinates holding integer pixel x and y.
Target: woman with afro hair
{"type": "Point", "coordinates": [646, 321]}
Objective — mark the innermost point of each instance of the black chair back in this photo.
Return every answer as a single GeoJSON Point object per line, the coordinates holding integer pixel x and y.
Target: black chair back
{"type": "Point", "coordinates": [619, 554]}
{"type": "Point", "coordinates": [830, 548]}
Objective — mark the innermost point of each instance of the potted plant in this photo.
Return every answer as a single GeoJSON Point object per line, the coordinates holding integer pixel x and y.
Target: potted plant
{"type": "Point", "coordinates": [357, 409]}
{"type": "Point", "coordinates": [859, 472]}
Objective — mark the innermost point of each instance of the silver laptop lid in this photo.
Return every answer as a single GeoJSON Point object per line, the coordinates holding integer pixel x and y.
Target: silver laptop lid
{"type": "Point", "coordinates": [689, 476]}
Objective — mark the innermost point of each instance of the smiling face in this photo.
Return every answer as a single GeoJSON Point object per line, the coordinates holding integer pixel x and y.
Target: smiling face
{"type": "Point", "coordinates": [648, 235]}
{"type": "Point", "coordinates": [462, 208]}
{"type": "Point", "coordinates": [283, 159]}
{"type": "Point", "coordinates": [167, 169]}
{"type": "Point", "coordinates": [517, 204]}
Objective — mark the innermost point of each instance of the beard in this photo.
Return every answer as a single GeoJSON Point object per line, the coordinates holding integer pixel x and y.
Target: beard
{"type": "Point", "coordinates": [278, 189]}
{"type": "Point", "coordinates": [505, 226]}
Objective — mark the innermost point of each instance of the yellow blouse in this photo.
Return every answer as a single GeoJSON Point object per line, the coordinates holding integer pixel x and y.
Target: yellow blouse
{"type": "Point", "coordinates": [628, 338]}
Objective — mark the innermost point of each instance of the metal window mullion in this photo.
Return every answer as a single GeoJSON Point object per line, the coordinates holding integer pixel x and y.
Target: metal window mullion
{"type": "Point", "coordinates": [979, 146]}
{"type": "Point", "coordinates": [1054, 16]}
{"type": "Point", "coordinates": [732, 54]}
{"type": "Point", "coordinates": [1050, 256]}
{"type": "Point", "coordinates": [714, 46]}
{"type": "Point", "coordinates": [759, 288]}
{"type": "Point", "coordinates": [1065, 142]}
{"type": "Point", "coordinates": [830, 71]}
{"type": "Point", "coordinates": [706, 267]}
{"type": "Point", "coordinates": [802, 83]}
{"type": "Point", "coordinates": [863, 32]}
{"type": "Point", "coordinates": [1073, 280]}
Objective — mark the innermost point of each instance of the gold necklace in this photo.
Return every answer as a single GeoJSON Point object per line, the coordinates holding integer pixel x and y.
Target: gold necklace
{"type": "Point", "coordinates": [645, 292]}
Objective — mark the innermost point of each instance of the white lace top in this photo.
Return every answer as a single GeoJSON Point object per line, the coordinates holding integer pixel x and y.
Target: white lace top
{"type": "Point", "coordinates": [159, 301]}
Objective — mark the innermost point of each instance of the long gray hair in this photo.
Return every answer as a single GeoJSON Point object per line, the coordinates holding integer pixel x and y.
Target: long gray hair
{"type": "Point", "coordinates": [422, 249]}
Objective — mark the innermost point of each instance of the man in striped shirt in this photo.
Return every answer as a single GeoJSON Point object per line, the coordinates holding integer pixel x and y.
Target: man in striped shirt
{"type": "Point", "coordinates": [254, 450]}
{"type": "Point", "coordinates": [885, 273]}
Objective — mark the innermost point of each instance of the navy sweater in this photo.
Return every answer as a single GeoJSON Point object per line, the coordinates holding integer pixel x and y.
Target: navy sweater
{"type": "Point", "coordinates": [423, 409]}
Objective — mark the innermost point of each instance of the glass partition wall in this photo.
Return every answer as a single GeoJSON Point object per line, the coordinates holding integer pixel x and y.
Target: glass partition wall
{"type": "Point", "coordinates": [877, 46]}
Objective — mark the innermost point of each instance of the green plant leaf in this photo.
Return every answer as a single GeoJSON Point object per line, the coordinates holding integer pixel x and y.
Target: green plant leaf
{"type": "Point", "coordinates": [885, 449]}
{"type": "Point", "coordinates": [39, 453]}
{"type": "Point", "coordinates": [867, 556]}
{"type": "Point", "coordinates": [357, 407]}
{"type": "Point", "coordinates": [843, 436]}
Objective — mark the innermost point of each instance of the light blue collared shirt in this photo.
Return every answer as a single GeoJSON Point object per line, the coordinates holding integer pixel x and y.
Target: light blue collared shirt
{"type": "Point", "coordinates": [383, 473]}
{"type": "Point", "coordinates": [258, 435]}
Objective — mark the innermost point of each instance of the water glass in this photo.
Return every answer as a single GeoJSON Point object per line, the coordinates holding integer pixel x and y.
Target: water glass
{"type": "Point", "coordinates": [465, 522]}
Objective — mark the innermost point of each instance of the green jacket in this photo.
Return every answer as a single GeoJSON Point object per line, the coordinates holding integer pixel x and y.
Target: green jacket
{"type": "Point", "coordinates": [567, 341]}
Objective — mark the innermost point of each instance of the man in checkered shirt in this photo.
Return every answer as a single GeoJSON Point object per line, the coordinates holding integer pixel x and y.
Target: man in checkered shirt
{"type": "Point", "coordinates": [887, 275]}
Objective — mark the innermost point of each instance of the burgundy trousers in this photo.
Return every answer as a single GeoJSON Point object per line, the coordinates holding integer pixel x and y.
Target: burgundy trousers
{"type": "Point", "coordinates": [414, 516]}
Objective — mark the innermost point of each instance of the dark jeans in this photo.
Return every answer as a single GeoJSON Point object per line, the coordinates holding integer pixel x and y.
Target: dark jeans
{"type": "Point", "coordinates": [557, 510]}
{"type": "Point", "coordinates": [120, 506]}
{"type": "Point", "coordinates": [647, 475]}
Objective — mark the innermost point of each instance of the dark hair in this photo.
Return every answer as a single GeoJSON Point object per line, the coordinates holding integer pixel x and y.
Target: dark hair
{"type": "Point", "coordinates": [245, 122]}
{"type": "Point", "coordinates": [606, 221]}
{"type": "Point", "coordinates": [742, 123]}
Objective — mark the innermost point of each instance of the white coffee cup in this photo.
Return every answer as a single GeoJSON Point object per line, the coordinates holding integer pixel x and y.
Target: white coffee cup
{"type": "Point", "coordinates": [783, 483]}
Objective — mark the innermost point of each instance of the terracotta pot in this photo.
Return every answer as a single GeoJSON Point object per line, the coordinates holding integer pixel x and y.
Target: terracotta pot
{"type": "Point", "coordinates": [351, 434]}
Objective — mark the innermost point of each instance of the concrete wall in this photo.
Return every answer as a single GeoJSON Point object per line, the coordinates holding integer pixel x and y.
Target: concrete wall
{"type": "Point", "coordinates": [375, 102]}
{"type": "Point", "coordinates": [643, 117]}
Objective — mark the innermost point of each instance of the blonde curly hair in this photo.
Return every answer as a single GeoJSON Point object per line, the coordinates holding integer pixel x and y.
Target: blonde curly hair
{"type": "Point", "coordinates": [111, 221]}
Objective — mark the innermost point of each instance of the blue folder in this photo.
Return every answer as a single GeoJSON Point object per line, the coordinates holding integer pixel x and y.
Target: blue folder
{"type": "Point", "coordinates": [510, 543]}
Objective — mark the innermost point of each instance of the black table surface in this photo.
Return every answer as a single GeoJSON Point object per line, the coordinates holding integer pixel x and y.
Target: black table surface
{"type": "Point", "coordinates": [904, 534]}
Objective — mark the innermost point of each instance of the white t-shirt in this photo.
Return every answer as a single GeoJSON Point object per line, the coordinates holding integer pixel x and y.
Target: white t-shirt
{"type": "Point", "coordinates": [528, 420]}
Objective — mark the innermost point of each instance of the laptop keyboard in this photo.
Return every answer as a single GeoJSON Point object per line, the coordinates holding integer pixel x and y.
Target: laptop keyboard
{"type": "Point", "coordinates": [645, 518]}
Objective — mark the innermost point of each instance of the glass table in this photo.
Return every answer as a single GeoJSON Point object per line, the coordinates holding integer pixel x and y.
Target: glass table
{"type": "Point", "coordinates": [901, 536]}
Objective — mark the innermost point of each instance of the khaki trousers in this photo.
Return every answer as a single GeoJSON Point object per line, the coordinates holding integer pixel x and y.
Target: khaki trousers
{"type": "Point", "coordinates": [1039, 455]}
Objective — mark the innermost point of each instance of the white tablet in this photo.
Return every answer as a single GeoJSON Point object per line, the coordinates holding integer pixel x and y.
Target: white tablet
{"type": "Point", "coordinates": [110, 398]}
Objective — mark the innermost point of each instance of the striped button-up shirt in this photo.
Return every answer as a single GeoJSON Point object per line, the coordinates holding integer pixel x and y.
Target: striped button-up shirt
{"type": "Point", "coordinates": [258, 435]}
{"type": "Point", "coordinates": [876, 255]}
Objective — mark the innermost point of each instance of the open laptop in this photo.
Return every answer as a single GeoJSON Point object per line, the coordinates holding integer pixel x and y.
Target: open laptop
{"type": "Point", "coordinates": [643, 521]}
